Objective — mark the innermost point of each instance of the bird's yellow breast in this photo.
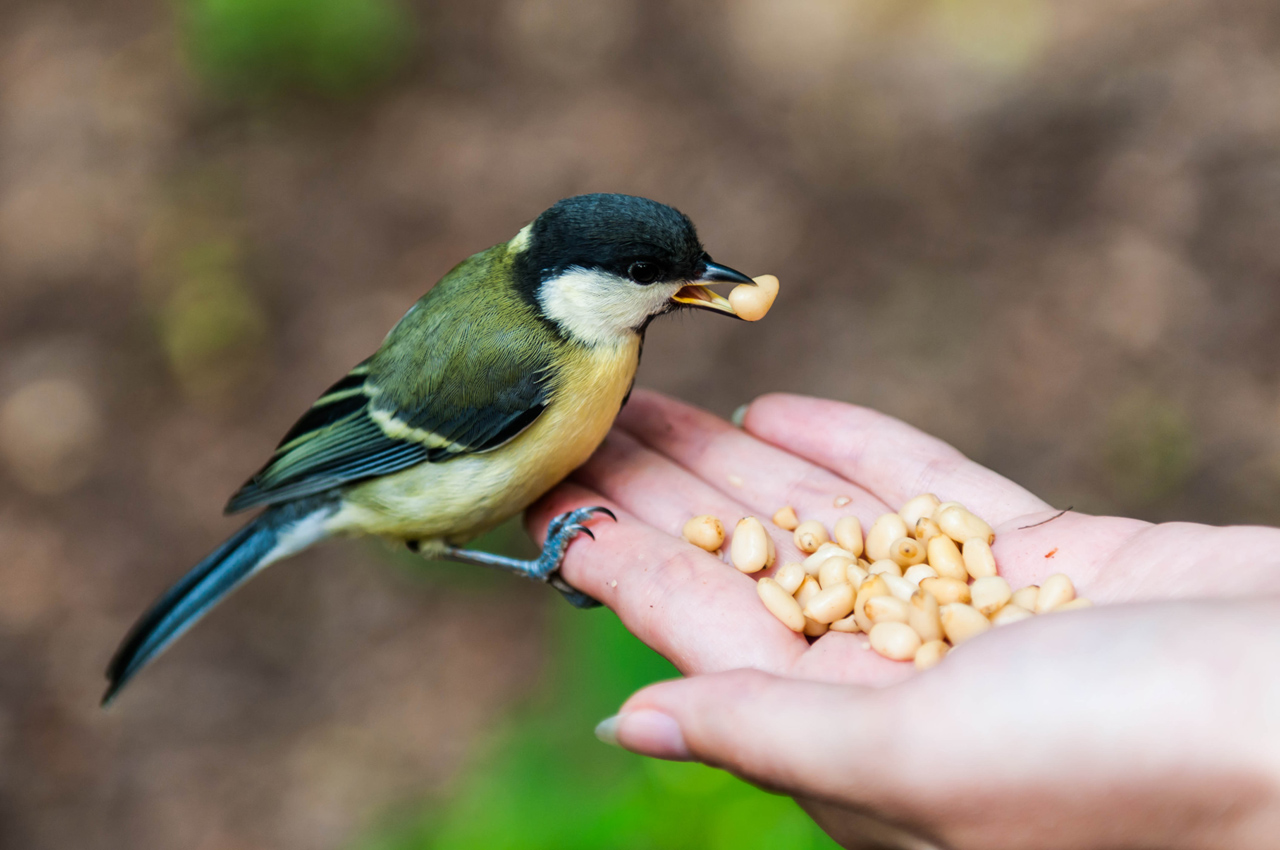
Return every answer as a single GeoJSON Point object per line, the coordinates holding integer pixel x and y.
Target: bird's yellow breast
{"type": "Point", "coordinates": [455, 500]}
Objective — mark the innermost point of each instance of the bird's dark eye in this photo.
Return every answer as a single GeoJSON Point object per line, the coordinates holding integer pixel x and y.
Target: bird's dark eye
{"type": "Point", "coordinates": [642, 272]}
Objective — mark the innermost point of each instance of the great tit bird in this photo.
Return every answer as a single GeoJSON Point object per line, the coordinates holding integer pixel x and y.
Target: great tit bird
{"type": "Point", "coordinates": [494, 386]}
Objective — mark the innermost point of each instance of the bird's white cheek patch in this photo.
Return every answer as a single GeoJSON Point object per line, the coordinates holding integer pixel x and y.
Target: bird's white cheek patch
{"type": "Point", "coordinates": [599, 308]}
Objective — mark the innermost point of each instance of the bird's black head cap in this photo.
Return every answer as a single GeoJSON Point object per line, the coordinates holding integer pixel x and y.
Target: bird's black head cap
{"type": "Point", "coordinates": [634, 238]}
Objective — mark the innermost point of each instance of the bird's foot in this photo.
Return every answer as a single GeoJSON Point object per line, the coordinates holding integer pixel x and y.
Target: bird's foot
{"type": "Point", "coordinates": [558, 523]}
{"type": "Point", "coordinates": [561, 531]}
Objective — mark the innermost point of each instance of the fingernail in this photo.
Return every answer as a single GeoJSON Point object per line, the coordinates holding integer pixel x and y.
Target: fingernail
{"type": "Point", "coordinates": [739, 415]}
{"type": "Point", "coordinates": [607, 730]}
{"type": "Point", "coordinates": [648, 732]}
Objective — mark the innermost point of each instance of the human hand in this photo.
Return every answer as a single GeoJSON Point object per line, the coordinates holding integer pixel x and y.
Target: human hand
{"type": "Point", "coordinates": [1012, 692]}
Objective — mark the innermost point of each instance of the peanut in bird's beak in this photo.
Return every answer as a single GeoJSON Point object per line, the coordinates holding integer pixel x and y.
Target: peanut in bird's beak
{"type": "Point", "coordinates": [697, 294]}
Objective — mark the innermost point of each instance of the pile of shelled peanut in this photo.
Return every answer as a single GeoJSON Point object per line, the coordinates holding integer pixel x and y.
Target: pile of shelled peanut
{"type": "Point", "coordinates": [921, 581]}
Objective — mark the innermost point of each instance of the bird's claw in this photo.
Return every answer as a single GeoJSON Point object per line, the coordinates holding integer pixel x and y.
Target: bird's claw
{"type": "Point", "coordinates": [560, 533]}
{"type": "Point", "coordinates": [576, 516]}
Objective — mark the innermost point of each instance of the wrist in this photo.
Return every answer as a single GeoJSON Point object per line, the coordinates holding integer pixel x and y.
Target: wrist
{"type": "Point", "coordinates": [1245, 641]}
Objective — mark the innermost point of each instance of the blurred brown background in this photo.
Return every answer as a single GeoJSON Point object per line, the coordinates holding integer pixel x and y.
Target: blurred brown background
{"type": "Point", "coordinates": [1048, 232]}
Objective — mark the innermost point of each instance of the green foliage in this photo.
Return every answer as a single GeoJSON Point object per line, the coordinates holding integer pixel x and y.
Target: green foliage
{"type": "Point", "coordinates": [207, 316]}
{"type": "Point", "coordinates": [326, 47]}
{"type": "Point", "coordinates": [546, 783]}
{"type": "Point", "coordinates": [210, 311]}
{"type": "Point", "coordinates": [1151, 448]}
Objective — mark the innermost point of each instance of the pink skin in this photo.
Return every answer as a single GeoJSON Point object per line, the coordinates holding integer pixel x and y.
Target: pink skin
{"type": "Point", "coordinates": [1117, 726]}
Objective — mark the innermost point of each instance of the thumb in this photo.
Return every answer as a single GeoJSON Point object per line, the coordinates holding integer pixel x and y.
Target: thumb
{"type": "Point", "coordinates": [766, 728]}
{"type": "Point", "coordinates": [812, 740]}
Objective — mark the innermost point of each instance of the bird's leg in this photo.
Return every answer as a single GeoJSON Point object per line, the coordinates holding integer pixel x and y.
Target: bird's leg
{"type": "Point", "coordinates": [546, 567]}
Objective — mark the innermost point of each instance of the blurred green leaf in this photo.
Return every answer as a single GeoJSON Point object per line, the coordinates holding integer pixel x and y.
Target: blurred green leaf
{"type": "Point", "coordinates": [1151, 449]}
{"type": "Point", "coordinates": [209, 322]}
{"type": "Point", "coordinates": [326, 47]}
{"type": "Point", "coordinates": [1004, 35]}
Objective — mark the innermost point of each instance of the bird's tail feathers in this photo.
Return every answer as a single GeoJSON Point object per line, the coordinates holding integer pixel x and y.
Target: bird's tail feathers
{"type": "Point", "coordinates": [276, 533]}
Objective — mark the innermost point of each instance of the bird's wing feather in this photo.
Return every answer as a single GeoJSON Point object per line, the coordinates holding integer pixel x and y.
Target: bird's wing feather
{"type": "Point", "coordinates": [460, 378]}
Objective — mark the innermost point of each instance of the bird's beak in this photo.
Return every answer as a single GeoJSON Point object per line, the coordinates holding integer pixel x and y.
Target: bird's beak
{"type": "Point", "coordinates": [696, 294]}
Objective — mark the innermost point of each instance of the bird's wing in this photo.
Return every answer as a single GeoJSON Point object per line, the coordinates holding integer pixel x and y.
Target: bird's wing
{"type": "Point", "coordinates": [449, 382]}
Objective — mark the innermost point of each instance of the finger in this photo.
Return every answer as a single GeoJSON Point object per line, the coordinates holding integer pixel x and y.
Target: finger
{"type": "Point", "coordinates": [665, 495]}
{"type": "Point", "coordinates": [685, 603]}
{"type": "Point", "coordinates": [891, 750]}
{"type": "Point", "coordinates": [885, 455]}
{"type": "Point", "coordinates": [995, 742]}
{"type": "Point", "coordinates": [845, 658]}
{"type": "Point", "coordinates": [821, 738]}
{"type": "Point", "coordinates": [761, 726]}
{"type": "Point", "coordinates": [761, 476]}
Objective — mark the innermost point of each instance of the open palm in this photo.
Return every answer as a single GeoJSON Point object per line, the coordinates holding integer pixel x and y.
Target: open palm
{"type": "Point", "coordinates": [666, 461]}
{"type": "Point", "coordinates": [1065, 731]}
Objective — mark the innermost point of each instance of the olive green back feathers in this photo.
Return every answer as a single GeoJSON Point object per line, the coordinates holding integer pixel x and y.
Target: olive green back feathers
{"type": "Point", "coordinates": [469, 367]}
